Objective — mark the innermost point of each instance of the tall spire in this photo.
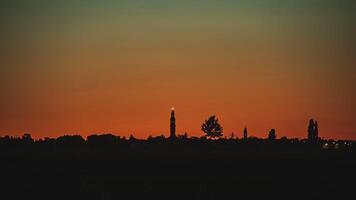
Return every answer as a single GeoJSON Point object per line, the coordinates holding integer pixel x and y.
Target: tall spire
{"type": "Point", "coordinates": [172, 125]}
{"type": "Point", "coordinates": [245, 133]}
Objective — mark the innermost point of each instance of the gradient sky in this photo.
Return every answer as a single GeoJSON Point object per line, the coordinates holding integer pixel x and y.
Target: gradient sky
{"type": "Point", "coordinates": [83, 67]}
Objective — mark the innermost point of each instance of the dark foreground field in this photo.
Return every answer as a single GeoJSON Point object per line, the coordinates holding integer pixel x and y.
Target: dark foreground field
{"type": "Point", "coordinates": [177, 174]}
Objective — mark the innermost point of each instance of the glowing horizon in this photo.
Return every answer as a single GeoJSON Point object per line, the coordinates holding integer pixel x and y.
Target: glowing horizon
{"type": "Point", "coordinates": [118, 66]}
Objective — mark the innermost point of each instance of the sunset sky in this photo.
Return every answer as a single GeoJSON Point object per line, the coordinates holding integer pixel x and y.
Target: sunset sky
{"type": "Point", "coordinates": [83, 67]}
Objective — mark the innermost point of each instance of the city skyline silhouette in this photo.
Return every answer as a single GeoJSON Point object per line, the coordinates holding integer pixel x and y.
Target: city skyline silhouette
{"type": "Point", "coordinates": [174, 99]}
{"type": "Point", "coordinates": [173, 134]}
{"type": "Point", "coordinates": [96, 67]}
{"type": "Point", "coordinates": [105, 166]}
{"type": "Point", "coordinates": [211, 129]}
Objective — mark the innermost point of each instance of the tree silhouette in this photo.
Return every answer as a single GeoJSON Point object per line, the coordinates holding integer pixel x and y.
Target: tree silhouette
{"type": "Point", "coordinates": [311, 128]}
{"type": "Point", "coordinates": [212, 127]}
{"type": "Point", "coordinates": [27, 138]}
{"type": "Point", "coordinates": [132, 137]}
{"type": "Point", "coordinates": [316, 130]}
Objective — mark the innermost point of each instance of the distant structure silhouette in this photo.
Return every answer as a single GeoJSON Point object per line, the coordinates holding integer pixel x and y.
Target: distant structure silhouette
{"type": "Point", "coordinates": [272, 134]}
{"type": "Point", "coordinates": [172, 125]}
{"type": "Point", "coordinates": [245, 133]}
{"type": "Point", "coordinates": [313, 130]}
{"type": "Point", "coordinates": [232, 135]}
{"type": "Point", "coordinates": [27, 138]}
{"type": "Point", "coordinates": [316, 130]}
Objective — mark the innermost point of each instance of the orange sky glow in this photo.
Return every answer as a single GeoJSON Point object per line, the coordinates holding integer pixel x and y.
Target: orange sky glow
{"type": "Point", "coordinates": [120, 67]}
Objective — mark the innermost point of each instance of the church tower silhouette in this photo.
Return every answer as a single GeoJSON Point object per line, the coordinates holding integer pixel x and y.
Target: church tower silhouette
{"type": "Point", "coordinates": [173, 125]}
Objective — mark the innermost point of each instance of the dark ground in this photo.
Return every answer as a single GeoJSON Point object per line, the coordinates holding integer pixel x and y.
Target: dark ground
{"type": "Point", "coordinates": [177, 174]}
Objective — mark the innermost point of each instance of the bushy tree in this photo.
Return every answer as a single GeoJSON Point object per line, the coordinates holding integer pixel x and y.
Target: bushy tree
{"type": "Point", "coordinates": [212, 127]}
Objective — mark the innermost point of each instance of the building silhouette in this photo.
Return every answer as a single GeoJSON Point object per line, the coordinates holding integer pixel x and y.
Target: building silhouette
{"type": "Point", "coordinates": [313, 130]}
{"type": "Point", "coordinates": [172, 125]}
{"type": "Point", "coordinates": [245, 133]}
{"type": "Point", "coordinates": [272, 134]}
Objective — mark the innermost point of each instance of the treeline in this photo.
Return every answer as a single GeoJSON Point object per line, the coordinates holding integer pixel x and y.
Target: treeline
{"type": "Point", "coordinates": [110, 141]}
